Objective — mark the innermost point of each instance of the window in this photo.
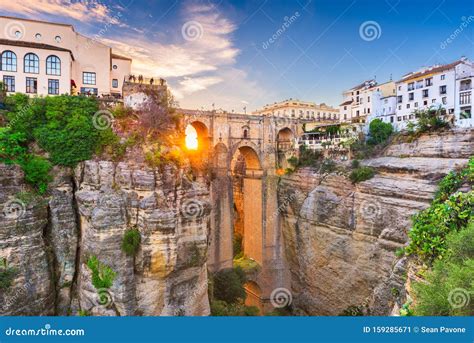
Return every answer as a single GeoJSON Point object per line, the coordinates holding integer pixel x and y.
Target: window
{"type": "Point", "coordinates": [399, 118]}
{"type": "Point", "coordinates": [114, 83]}
{"type": "Point", "coordinates": [31, 85]}
{"type": "Point", "coordinates": [411, 86]}
{"type": "Point", "coordinates": [444, 100]}
{"type": "Point", "coordinates": [399, 88]}
{"type": "Point", "coordinates": [419, 84]}
{"type": "Point", "coordinates": [8, 61]}
{"type": "Point", "coordinates": [443, 77]}
{"type": "Point", "coordinates": [425, 102]}
{"type": "Point", "coordinates": [89, 90]}
{"type": "Point", "coordinates": [114, 66]}
{"type": "Point", "coordinates": [433, 101]}
{"type": "Point", "coordinates": [38, 36]}
{"type": "Point", "coordinates": [53, 65]}
{"type": "Point", "coordinates": [442, 89]}
{"type": "Point", "coordinates": [425, 93]}
{"type": "Point", "coordinates": [391, 119]}
{"type": "Point", "coordinates": [408, 105]}
{"type": "Point", "coordinates": [399, 107]}
{"type": "Point", "coordinates": [399, 99]}
{"type": "Point", "coordinates": [31, 64]}
{"type": "Point", "coordinates": [53, 86]}
{"type": "Point", "coordinates": [465, 113]}
{"type": "Point", "coordinates": [368, 99]}
{"type": "Point", "coordinates": [88, 78]}
{"type": "Point", "coordinates": [246, 133]}
{"type": "Point", "coordinates": [9, 82]}
{"type": "Point", "coordinates": [416, 104]}
{"type": "Point", "coordinates": [58, 39]}
{"type": "Point", "coordinates": [411, 96]}
{"type": "Point", "coordinates": [429, 82]}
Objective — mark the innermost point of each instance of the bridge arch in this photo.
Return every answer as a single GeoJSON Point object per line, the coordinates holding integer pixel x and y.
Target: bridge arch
{"type": "Point", "coordinates": [285, 145]}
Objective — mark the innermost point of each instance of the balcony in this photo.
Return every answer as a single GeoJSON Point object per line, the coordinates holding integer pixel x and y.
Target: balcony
{"type": "Point", "coordinates": [465, 98]}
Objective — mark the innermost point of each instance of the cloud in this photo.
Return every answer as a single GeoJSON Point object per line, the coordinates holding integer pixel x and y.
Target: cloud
{"type": "Point", "coordinates": [197, 68]}
{"type": "Point", "coordinates": [85, 11]}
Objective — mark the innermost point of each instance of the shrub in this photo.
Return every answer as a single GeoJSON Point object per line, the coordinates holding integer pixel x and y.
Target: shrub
{"type": "Point", "coordinates": [228, 285]}
{"type": "Point", "coordinates": [221, 308]}
{"type": "Point", "coordinates": [36, 169]}
{"type": "Point", "coordinates": [12, 145]}
{"type": "Point", "coordinates": [379, 131]}
{"type": "Point", "coordinates": [361, 174]}
{"type": "Point", "coordinates": [450, 283]}
{"type": "Point", "coordinates": [430, 227]}
{"type": "Point", "coordinates": [131, 242]}
{"type": "Point", "coordinates": [102, 275]}
{"type": "Point", "coordinates": [7, 274]}
{"type": "Point", "coordinates": [430, 119]}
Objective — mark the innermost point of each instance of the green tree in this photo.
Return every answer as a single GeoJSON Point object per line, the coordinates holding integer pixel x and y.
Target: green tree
{"type": "Point", "coordinates": [379, 131]}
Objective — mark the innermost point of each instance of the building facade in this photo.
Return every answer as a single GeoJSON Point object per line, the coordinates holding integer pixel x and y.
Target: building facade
{"type": "Point", "coordinates": [448, 86]}
{"type": "Point", "coordinates": [367, 100]}
{"type": "Point", "coordinates": [304, 110]}
{"type": "Point", "coordinates": [47, 58]}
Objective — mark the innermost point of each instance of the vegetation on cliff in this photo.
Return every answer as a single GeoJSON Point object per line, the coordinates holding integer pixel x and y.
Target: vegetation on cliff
{"type": "Point", "coordinates": [442, 240]}
{"type": "Point", "coordinates": [227, 294]}
{"type": "Point", "coordinates": [102, 275]}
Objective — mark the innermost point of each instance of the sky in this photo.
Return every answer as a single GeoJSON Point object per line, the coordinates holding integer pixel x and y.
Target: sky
{"type": "Point", "coordinates": [241, 55]}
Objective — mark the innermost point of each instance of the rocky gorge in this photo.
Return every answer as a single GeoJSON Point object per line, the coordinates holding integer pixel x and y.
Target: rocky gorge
{"type": "Point", "coordinates": [339, 238]}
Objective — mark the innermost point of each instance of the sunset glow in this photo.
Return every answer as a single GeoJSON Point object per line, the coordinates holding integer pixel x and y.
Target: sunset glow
{"type": "Point", "coordinates": [191, 138]}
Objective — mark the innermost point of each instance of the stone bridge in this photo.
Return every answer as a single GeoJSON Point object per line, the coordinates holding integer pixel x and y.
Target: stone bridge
{"type": "Point", "coordinates": [246, 153]}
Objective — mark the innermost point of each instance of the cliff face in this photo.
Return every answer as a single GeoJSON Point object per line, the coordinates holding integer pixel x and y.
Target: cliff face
{"type": "Point", "coordinates": [340, 238]}
{"type": "Point", "coordinates": [48, 241]}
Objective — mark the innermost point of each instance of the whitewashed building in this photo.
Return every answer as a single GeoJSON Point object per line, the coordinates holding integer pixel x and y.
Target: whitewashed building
{"type": "Point", "coordinates": [42, 58]}
{"type": "Point", "coordinates": [366, 101]}
{"type": "Point", "coordinates": [448, 86]}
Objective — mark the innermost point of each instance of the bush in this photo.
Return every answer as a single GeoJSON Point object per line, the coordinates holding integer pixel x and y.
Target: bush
{"type": "Point", "coordinates": [430, 119]}
{"type": "Point", "coordinates": [131, 242]}
{"type": "Point", "coordinates": [102, 275]}
{"type": "Point", "coordinates": [229, 285]}
{"type": "Point", "coordinates": [361, 174]}
{"type": "Point", "coordinates": [7, 274]}
{"type": "Point", "coordinates": [12, 145]}
{"type": "Point", "coordinates": [221, 308]}
{"type": "Point", "coordinates": [379, 131]}
{"type": "Point", "coordinates": [36, 169]}
{"type": "Point", "coordinates": [449, 285]}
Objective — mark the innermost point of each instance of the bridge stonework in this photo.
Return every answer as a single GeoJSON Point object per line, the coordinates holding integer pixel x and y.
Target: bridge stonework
{"type": "Point", "coordinates": [257, 140]}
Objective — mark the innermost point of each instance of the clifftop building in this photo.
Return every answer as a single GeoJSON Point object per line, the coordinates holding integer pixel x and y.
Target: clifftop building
{"type": "Point", "coordinates": [42, 58]}
{"type": "Point", "coordinates": [448, 86]}
{"type": "Point", "coordinates": [296, 109]}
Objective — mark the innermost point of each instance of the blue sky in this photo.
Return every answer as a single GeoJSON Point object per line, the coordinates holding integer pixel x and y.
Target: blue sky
{"type": "Point", "coordinates": [221, 52]}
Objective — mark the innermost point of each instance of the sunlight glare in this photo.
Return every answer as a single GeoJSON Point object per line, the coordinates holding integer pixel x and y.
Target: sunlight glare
{"type": "Point", "coordinates": [191, 138]}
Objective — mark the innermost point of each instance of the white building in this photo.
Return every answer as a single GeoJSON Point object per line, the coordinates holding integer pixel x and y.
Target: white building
{"type": "Point", "coordinates": [448, 86]}
{"type": "Point", "coordinates": [42, 58]}
{"type": "Point", "coordinates": [367, 101]}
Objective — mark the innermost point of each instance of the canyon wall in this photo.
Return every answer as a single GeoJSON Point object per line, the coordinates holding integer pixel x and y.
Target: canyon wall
{"type": "Point", "coordinates": [47, 241]}
{"type": "Point", "coordinates": [340, 238]}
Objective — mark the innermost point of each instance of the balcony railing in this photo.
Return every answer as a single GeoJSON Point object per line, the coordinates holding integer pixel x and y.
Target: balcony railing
{"type": "Point", "coordinates": [465, 98]}
{"type": "Point", "coordinates": [140, 79]}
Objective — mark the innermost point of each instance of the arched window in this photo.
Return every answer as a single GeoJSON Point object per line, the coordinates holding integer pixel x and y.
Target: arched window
{"type": "Point", "coordinates": [246, 133]}
{"type": "Point", "coordinates": [8, 62]}
{"type": "Point", "coordinates": [53, 65]}
{"type": "Point", "coordinates": [31, 63]}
